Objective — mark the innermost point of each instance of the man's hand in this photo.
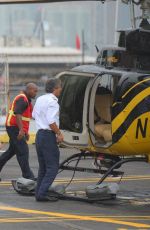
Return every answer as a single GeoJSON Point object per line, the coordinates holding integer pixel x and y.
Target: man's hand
{"type": "Point", "coordinates": [60, 138]}
{"type": "Point", "coordinates": [20, 126]}
{"type": "Point", "coordinates": [56, 130]}
{"type": "Point", "coordinates": [27, 136]}
{"type": "Point", "coordinates": [21, 134]}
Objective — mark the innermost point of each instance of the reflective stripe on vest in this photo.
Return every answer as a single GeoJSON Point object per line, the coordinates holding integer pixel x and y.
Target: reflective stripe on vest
{"type": "Point", "coordinates": [11, 112]}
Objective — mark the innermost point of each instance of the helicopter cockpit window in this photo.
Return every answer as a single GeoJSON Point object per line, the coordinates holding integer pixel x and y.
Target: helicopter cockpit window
{"type": "Point", "coordinates": [71, 102]}
{"type": "Point", "coordinates": [124, 59]}
{"type": "Point", "coordinates": [114, 58]}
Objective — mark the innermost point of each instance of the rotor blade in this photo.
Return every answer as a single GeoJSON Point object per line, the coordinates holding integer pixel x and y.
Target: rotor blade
{"type": "Point", "coordinates": [38, 1]}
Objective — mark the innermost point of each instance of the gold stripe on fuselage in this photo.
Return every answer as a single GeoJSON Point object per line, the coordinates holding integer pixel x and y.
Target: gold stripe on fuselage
{"type": "Point", "coordinates": [148, 79]}
{"type": "Point", "coordinates": [120, 118]}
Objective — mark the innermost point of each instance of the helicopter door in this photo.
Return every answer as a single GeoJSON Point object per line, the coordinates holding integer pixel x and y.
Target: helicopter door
{"type": "Point", "coordinates": [100, 110]}
{"type": "Point", "coordinates": [73, 108]}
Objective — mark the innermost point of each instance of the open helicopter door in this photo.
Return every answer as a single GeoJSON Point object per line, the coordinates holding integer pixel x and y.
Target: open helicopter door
{"type": "Point", "coordinates": [100, 110]}
{"type": "Point", "coordinates": [73, 108]}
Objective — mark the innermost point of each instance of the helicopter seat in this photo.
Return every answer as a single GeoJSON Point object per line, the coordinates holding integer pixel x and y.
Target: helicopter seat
{"type": "Point", "coordinates": [103, 126]}
{"type": "Point", "coordinates": [102, 106]}
{"type": "Point", "coordinates": [103, 131]}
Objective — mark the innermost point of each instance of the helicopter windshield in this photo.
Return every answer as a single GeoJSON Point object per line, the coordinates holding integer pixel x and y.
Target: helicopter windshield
{"type": "Point", "coordinates": [124, 59]}
{"type": "Point", "coordinates": [71, 102]}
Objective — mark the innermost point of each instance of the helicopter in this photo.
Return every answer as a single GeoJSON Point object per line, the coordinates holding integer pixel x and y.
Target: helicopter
{"type": "Point", "coordinates": [106, 115]}
{"type": "Point", "coordinates": [107, 108]}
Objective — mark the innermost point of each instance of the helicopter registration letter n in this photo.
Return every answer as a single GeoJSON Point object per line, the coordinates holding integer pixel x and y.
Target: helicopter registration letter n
{"type": "Point", "coordinates": [141, 128]}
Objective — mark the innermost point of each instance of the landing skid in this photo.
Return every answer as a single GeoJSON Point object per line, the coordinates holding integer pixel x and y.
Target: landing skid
{"type": "Point", "coordinates": [66, 196]}
{"type": "Point", "coordinates": [100, 189]}
{"type": "Point", "coordinates": [117, 163]}
{"type": "Point", "coordinates": [22, 190]}
{"type": "Point", "coordinates": [120, 163]}
{"type": "Point", "coordinates": [87, 155]}
{"type": "Point", "coordinates": [111, 171]}
{"type": "Point", "coordinates": [86, 199]}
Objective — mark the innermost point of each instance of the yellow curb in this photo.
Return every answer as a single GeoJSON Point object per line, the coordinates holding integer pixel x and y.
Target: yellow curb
{"type": "Point", "coordinates": [4, 138]}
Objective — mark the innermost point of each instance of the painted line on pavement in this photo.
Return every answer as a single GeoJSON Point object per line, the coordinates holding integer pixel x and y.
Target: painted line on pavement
{"type": "Point", "coordinates": [81, 180]}
{"type": "Point", "coordinates": [75, 217]}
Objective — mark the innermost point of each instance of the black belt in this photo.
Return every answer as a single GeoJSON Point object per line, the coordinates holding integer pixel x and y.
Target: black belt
{"type": "Point", "coordinates": [48, 130]}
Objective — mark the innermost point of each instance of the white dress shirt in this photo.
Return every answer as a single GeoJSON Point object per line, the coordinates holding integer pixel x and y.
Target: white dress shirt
{"type": "Point", "coordinates": [46, 111]}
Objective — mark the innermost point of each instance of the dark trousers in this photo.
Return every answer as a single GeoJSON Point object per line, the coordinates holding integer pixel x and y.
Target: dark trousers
{"type": "Point", "coordinates": [18, 148]}
{"type": "Point", "coordinates": [48, 158]}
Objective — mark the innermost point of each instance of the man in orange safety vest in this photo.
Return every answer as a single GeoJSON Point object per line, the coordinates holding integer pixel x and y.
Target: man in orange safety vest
{"type": "Point", "coordinates": [17, 127]}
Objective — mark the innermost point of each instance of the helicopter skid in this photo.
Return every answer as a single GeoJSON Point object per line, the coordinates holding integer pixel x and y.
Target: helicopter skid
{"type": "Point", "coordinates": [93, 193]}
{"type": "Point", "coordinates": [88, 155]}
{"type": "Point", "coordinates": [120, 163]}
{"type": "Point", "coordinates": [24, 190]}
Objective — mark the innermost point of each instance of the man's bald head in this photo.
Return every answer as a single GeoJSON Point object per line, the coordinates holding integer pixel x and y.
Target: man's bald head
{"type": "Point", "coordinates": [30, 86]}
{"type": "Point", "coordinates": [31, 90]}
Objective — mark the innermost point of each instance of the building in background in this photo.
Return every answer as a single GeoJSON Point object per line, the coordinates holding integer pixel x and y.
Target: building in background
{"type": "Point", "coordinates": [58, 24]}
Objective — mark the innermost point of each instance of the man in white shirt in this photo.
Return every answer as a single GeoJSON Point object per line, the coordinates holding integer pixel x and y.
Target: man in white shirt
{"type": "Point", "coordinates": [46, 115]}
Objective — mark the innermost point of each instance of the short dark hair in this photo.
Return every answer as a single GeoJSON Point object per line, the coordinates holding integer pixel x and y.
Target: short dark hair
{"type": "Point", "coordinates": [52, 84]}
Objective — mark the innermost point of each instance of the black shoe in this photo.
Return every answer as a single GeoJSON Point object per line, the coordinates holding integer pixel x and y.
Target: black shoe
{"type": "Point", "coordinates": [47, 198]}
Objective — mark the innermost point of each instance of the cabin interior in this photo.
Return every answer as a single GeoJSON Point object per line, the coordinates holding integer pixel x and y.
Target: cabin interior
{"type": "Point", "coordinates": [72, 116]}
{"type": "Point", "coordinates": [102, 118]}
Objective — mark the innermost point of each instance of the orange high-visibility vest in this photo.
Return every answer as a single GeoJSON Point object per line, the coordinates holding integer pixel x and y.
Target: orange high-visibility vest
{"type": "Point", "coordinates": [26, 115]}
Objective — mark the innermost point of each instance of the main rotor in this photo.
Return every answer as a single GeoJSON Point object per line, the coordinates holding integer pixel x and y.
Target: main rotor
{"type": "Point", "coordinates": [144, 5]}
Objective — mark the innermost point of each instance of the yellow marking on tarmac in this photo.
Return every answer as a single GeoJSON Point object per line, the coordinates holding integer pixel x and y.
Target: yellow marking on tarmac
{"type": "Point", "coordinates": [128, 217]}
{"type": "Point", "coordinates": [93, 178]}
{"type": "Point", "coordinates": [75, 217]}
{"type": "Point", "coordinates": [125, 229]}
{"type": "Point", "coordinates": [81, 180]}
{"type": "Point", "coordinates": [122, 229]}
{"type": "Point", "coordinates": [31, 219]}
{"type": "Point", "coordinates": [5, 183]}
{"type": "Point", "coordinates": [39, 219]}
